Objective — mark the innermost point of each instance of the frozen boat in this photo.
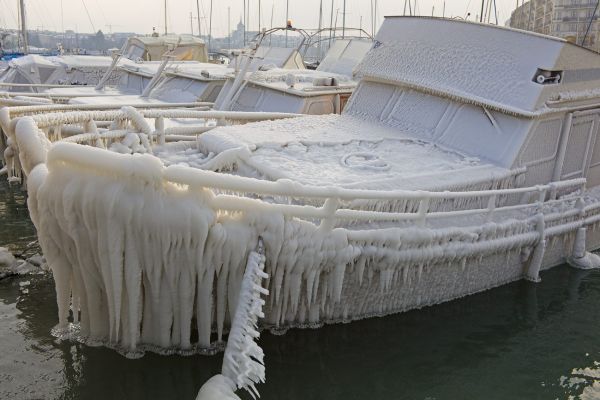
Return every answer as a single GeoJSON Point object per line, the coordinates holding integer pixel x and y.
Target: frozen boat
{"type": "Point", "coordinates": [29, 73]}
{"type": "Point", "coordinates": [180, 83]}
{"type": "Point", "coordinates": [322, 91]}
{"type": "Point", "coordinates": [33, 73]}
{"type": "Point", "coordinates": [260, 85]}
{"type": "Point", "coordinates": [466, 158]}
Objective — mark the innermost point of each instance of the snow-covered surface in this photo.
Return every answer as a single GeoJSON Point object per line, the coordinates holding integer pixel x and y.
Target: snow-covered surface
{"type": "Point", "coordinates": [201, 71]}
{"type": "Point", "coordinates": [492, 66]}
{"type": "Point", "coordinates": [34, 69]}
{"type": "Point", "coordinates": [303, 82]}
{"type": "Point", "coordinates": [113, 97]}
{"type": "Point", "coordinates": [339, 150]}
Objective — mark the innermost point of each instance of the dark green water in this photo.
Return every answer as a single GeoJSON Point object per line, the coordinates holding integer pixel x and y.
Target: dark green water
{"type": "Point", "coordinates": [520, 341]}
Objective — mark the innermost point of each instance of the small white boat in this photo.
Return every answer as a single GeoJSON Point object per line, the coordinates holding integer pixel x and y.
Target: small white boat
{"type": "Point", "coordinates": [466, 158]}
{"type": "Point", "coordinates": [34, 73]}
{"type": "Point", "coordinates": [322, 91]}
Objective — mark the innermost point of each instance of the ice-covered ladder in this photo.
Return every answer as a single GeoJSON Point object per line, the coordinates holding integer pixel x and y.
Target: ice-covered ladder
{"type": "Point", "coordinates": [243, 364]}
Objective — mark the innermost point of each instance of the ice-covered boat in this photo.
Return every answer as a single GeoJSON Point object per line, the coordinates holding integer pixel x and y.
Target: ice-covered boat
{"type": "Point", "coordinates": [34, 73]}
{"type": "Point", "coordinates": [322, 91]}
{"type": "Point", "coordinates": [466, 158]}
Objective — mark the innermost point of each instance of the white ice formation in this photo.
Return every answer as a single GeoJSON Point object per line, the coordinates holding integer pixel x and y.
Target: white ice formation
{"type": "Point", "coordinates": [243, 364]}
{"type": "Point", "coordinates": [11, 265]}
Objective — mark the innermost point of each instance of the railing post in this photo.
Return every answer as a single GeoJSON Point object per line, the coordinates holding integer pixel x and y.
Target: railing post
{"type": "Point", "coordinates": [491, 206]}
{"type": "Point", "coordinates": [159, 125]}
{"type": "Point", "coordinates": [329, 208]}
{"type": "Point", "coordinates": [533, 270]}
{"type": "Point", "coordinates": [422, 213]}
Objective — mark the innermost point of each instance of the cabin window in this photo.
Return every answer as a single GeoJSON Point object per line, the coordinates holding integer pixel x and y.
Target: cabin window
{"type": "Point", "coordinates": [134, 52]}
{"type": "Point", "coordinates": [370, 99]}
{"type": "Point", "coordinates": [321, 107]}
{"type": "Point", "coordinates": [417, 113]}
{"type": "Point", "coordinates": [249, 97]}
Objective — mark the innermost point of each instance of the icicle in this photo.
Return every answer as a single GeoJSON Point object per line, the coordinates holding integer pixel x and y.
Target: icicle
{"type": "Point", "coordinates": [243, 361]}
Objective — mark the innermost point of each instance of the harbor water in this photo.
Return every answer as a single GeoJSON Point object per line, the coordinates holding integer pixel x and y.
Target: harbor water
{"type": "Point", "coordinates": [519, 341]}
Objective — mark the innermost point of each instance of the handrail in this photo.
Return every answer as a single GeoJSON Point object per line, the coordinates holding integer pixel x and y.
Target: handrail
{"type": "Point", "coordinates": [51, 119]}
{"type": "Point", "coordinates": [331, 210]}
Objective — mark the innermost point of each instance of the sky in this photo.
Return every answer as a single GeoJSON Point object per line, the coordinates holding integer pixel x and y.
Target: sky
{"type": "Point", "coordinates": [141, 15]}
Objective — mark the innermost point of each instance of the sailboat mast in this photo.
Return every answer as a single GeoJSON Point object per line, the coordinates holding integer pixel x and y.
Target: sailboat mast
{"type": "Point", "coordinates": [344, 21]}
{"type": "Point", "coordinates": [165, 17]}
{"type": "Point", "coordinates": [198, 14]}
{"type": "Point", "coordinates": [331, 23]}
{"type": "Point", "coordinates": [210, 25]}
{"type": "Point", "coordinates": [320, 27]}
{"type": "Point", "coordinates": [24, 27]}
{"type": "Point", "coordinates": [287, 18]}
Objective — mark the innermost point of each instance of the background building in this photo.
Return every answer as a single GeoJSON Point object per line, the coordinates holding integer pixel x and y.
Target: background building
{"type": "Point", "coordinates": [568, 19]}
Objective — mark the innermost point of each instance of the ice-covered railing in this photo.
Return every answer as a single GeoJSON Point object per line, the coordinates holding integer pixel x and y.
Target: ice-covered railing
{"type": "Point", "coordinates": [331, 210]}
{"type": "Point", "coordinates": [102, 125]}
{"type": "Point", "coordinates": [119, 122]}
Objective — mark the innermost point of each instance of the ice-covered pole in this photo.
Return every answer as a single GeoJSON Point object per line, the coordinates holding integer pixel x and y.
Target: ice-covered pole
{"type": "Point", "coordinates": [243, 364]}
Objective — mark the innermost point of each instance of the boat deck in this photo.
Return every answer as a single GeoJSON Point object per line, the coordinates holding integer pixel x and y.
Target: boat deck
{"type": "Point", "coordinates": [337, 151]}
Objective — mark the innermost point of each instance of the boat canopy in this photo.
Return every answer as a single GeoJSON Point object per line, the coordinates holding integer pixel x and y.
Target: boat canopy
{"type": "Point", "coordinates": [151, 48]}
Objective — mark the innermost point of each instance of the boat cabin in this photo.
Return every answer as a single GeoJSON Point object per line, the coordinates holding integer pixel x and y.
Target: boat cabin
{"type": "Point", "coordinates": [322, 91]}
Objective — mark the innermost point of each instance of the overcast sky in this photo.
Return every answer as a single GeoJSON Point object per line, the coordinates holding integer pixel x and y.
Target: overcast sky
{"type": "Point", "coordinates": [141, 15]}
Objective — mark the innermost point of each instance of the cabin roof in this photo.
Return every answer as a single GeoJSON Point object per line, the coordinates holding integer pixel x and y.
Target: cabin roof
{"type": "Point", "coordinates": [478, 63]}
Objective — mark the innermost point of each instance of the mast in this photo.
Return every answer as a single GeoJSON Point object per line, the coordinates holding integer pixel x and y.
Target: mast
{"type": "Point", "coordinates": [344, 21]}
{"type": "Point", "coordinates": [272, 11]}
{"type": "Point", "coordinates": [229, 27]}
{"type": "Point", "coordinates": [287, 18]}
{"type": "Point", "coordinates": [259, 28]}
{"type": "Point", "coordinates": [24, 27]}
{"type": "Point", "coordinates": [331, 23]}
{"type": "Point", "coordinates": [165, 17]}
{"type": "Point", "coordinates": [210, 25]}
{"type": "Point", "coordinates": [198, 14]}
{"type": "Point", "coordinates": [320, 27]}
{"type": "Point", "coordinates": [244, 10]}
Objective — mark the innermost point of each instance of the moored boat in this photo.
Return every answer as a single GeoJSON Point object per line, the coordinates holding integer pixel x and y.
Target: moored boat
{"type": "Point", "coordinates": [465, 159]}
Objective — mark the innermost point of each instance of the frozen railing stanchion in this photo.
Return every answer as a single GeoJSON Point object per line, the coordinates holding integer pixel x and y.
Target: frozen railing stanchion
{"type": "Point", "coordinates": [243, 361]}
{"type": "Point", "coordinates": [580, 257]}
